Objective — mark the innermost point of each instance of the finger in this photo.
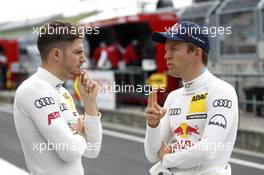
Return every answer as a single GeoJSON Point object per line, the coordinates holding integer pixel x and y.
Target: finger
{"type": "Point", "coordinates": [166, 148]}
{"type": "Point", "coordinates": [82, 72]}
{"type": "Point", "coordinates": [163, 112]}
{"type": "Point", "coordinates": [152, 111]}
{"type": "Point", "coordinates": [159, 113]}
{"type": "Point", "coordinates": [80, 78]}
{"type": "Point", "coordinates": [156, 106]}
{"type": "Point", "coordinates": [150, 96]}
{"type": "Point", "coordinates": [91, 85]}
{"type": "Point", "coordinates": [154, 99]}
{"type": "Point", "coordinates": [85, 79]}
{"type": "Point", "coordinates": [153, 122]}
{"type": "Point", "coordinates": [79, 123]}
{"type": "Point", "coordinates": [81, 116]}
{"type": "Point", "coordinates": [94, 87]}
{"type": "Point", "coordinates": [87, 85]}
{"type": "Point", "coordinates": [162, 146]}
{"type": "Point", "coordinates": [87, 76]}
{"type": "Point", "coordinates": [152, 117]}
{"type": "Point", "coordinates": [78, 81]}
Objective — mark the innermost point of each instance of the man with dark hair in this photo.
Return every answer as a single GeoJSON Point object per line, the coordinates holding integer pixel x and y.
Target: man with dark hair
{"type": "Point", "coordinates": [54, 136]}
{"type": "Point", "coordinates": [196, 130]}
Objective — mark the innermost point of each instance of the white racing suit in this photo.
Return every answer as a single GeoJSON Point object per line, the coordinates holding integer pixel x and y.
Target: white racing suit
{"type": "Point", "coordinates": [46, 121]}
{"type": "Point", "coordinates": [200, 126]}
{"type": "Point", "coordinates": [157, 169]}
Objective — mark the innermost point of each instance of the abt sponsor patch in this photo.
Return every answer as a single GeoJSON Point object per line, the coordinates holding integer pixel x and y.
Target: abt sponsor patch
{"type": "Point", "coordinates": [53, 116]}
{"type": "Point", "coordinates": [218, 120]}
{"type": "Point", "coordinates": [197, 109]}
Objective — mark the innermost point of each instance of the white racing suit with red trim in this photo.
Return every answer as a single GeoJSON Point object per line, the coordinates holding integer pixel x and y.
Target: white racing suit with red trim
{"type": "Point", "coordinates": [200, 125]}
{"type": "Point", "coordinates": [46, 121]}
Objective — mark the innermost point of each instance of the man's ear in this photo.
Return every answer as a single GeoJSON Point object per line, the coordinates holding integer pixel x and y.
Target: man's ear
{"type": "Point", "coordinates": [56, 54]}
{"type": "Point", "coordinates": [198, 53]}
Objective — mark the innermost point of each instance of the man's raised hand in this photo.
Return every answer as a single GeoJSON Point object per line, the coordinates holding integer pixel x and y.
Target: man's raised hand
{"type": "Point", "coordinates": [87, 87]}
{"type": "Point", "coordinates": [153, 112]}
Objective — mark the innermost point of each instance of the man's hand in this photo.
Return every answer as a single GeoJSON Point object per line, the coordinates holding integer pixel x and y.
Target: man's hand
{"type": "Point", "coordinates": [153, 112]}
{"type": "Point", "coordinates": [164, 149]}
{"type": "Point", "coordinates": [87, 87]}
{"type": "Point", "coordinates": [88, 92]}
{"type": "Point", "coordinates": [80, 129]}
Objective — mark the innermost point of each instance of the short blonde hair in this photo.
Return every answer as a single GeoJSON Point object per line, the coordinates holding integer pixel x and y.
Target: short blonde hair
{"type": "Point", "coordinates": [191, 48]}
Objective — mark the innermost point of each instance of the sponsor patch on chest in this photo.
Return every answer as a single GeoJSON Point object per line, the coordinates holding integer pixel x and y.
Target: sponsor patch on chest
{"type": "Point", "coordinates": [197, 107]}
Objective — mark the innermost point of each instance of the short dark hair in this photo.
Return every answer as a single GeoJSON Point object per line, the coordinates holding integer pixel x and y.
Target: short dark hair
{"type": "Point", "coordinates": [191, 48]}
{"type": "Point", "coordinates": [56, 35]}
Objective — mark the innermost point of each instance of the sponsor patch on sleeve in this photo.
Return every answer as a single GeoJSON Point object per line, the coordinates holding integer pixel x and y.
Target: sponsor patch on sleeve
{"type": "Point", "coordinates": [53, 116]}
{"type": "Point", "coordinates": [218, 120]}
{"type": "Point", "coordinates": [44, 101]}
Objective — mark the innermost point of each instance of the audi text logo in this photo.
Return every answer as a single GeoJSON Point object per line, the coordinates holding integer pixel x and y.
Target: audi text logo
{"type": "Point", "coordinates": [174, 111]}
{"type": "Point", "coordinates": [222, 103]}
{"type": "Point", "coordinates": [44, 102]}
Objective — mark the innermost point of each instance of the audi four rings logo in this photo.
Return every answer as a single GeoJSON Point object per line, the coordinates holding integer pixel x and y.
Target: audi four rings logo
{"type": "Point", "coordinates": [44, 102]}
{"type": "Point", "coordinates": [174, 111]}
{"type": "Point", "coordinates": [222, 103]}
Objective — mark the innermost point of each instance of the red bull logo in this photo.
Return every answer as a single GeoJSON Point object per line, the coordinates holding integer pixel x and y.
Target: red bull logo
{"type": "Point", "coordinates": [184, 130]}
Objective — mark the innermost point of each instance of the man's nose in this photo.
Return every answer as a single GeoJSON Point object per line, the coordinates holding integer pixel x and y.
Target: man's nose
{"type": "Point", "coordinates": [167, 55]}
{"type": "Point", "coordinates": [83, 59]}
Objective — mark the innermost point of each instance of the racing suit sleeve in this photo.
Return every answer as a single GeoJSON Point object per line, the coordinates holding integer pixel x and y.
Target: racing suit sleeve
{"type": "Point", "coordinates": [218, 125]}
{"type": "Point", "coordinates": [93, 132]}
{"type": "Point", "coordinates": [155, 136]}
{"type": "Point", "coordinates": [43, 108]}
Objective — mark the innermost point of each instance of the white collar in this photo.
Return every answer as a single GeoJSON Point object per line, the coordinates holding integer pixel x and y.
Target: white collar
{"type": "Point", "coordinates": [198, 81]}
{"type": "Point", "coordinates": [49, 77]}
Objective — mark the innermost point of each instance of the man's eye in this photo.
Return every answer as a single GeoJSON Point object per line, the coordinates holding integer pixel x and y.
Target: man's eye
{"type": "Point", "coordinates": [78, 52]}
